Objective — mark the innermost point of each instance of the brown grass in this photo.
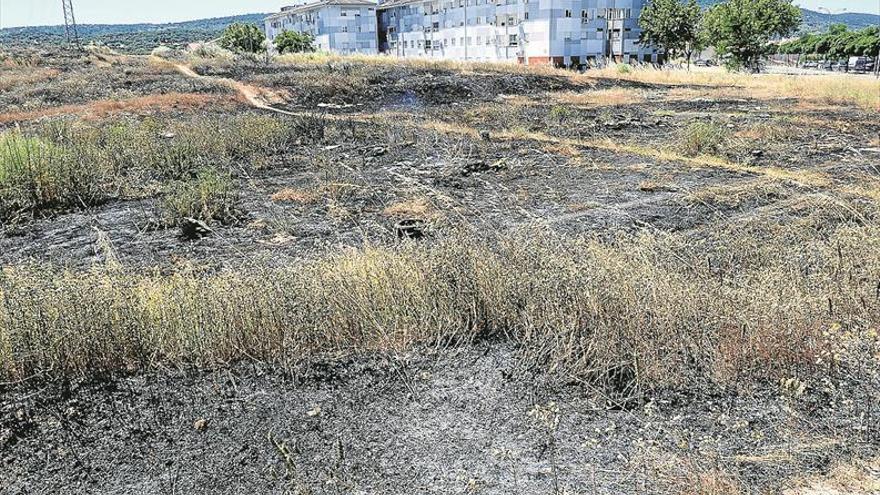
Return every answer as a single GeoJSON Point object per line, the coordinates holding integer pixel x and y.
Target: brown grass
{"type": "Point", "coordinates": [140, 105]}
{"type": "Point", "coordinates": [814, 91]}
{"type": "Point", "coordinates": [603, 97]}
{"type": "Point", "coordinates": [21, 77]}
{"type": "Point", "coordinates": [856, 478]}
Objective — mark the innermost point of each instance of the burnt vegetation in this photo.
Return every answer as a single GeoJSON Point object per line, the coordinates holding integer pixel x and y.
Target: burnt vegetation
{"type": "Point", "coordinates": [628, 242]}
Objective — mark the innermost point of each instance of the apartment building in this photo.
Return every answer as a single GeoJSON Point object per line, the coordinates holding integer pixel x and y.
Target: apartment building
{"type": "Point", "coordinates": [340, 26]}
{"type": "Point", "coordinates": [559, 32]}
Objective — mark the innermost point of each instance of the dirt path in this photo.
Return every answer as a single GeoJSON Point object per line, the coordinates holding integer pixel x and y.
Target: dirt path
{"type": "Point", "coordinates": [102, 108]}
{"type": "Point", "coordinates": [251, 94]}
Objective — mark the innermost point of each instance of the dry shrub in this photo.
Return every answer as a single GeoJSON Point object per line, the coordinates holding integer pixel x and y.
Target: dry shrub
{"type": "Point", "coordinates": [703, 138]}
{"type": "Point", "coordinates": [210, 195]}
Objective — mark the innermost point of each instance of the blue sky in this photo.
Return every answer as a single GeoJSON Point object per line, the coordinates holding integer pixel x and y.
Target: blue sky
{"type": "Point", "coordinates": [39, 12]}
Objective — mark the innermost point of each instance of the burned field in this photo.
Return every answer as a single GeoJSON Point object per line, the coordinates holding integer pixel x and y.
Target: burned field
{"type": "Point", "coordinates": [435, 278]}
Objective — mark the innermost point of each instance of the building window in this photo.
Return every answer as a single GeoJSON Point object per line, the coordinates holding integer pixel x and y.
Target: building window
{"type": "Point", "coordinates": [479, 40]}
{"type": "Point", "coordinates": [512, 41]}
{"type": "Point", "coordinates": [344, 29]}
{"type": "Point", "coordinates": [525, 16]}
{"type": "Point", "coordinates": [567, 13]}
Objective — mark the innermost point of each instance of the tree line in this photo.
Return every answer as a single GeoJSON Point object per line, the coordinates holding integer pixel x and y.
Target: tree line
{"type": "Point", "coordinates": [250, 38]}
{"type": "Point", "coordinates": [838, 43]}
{"type": "Point", "coordinates": [740, 31]}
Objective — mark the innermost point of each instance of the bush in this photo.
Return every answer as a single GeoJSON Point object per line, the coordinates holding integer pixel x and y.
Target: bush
{"type": "Point", "coordinates": [63, 164]}
{"type": "Point", "coordinates": [162, 52]}
{"type": "Point", "coordinates": [35, 174]}
{"type": "Point", "coordinates": [294, 42]}
{"type": "Point", "coordinates": [246, 38]}
{"type": "Point", "coordinates": [211, 195]}
{"type": "Point", "coordinates": [703, 138]}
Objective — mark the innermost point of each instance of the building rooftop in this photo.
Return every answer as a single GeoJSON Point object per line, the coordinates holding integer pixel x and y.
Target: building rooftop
{"type": "Point", "coordinates": [397, 3]}
{"type": "Point", "coordinates": [295, 9]}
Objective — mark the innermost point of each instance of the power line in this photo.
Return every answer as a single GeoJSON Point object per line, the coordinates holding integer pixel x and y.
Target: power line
{"type": "Point", "coordinates": [70, 23]}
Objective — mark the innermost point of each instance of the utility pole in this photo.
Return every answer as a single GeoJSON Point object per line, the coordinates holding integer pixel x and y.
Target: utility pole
{"type": "Point", "coordinates": [70, 23]}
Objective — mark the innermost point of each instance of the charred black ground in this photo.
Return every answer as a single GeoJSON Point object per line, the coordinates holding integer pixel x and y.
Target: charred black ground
{"type": "Point", "coordinates": [752, 180]}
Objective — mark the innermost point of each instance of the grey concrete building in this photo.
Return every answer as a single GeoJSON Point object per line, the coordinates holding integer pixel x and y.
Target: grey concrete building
{"type": "Point", "coordinates": [340, 26]}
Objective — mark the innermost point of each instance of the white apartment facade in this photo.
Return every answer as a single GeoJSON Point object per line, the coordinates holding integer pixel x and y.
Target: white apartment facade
{"type": "Point", "coordinates": [339, 26]}
{"type": "Point", "coordinates": [558, 32]}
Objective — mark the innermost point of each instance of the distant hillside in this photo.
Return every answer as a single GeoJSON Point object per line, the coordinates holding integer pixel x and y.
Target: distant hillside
{"type": "Point", "coordinates": [817, 21]}
{"type": "Point", "coordinates": [134, 38]}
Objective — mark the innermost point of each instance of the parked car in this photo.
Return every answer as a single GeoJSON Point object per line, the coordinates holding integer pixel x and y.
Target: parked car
{"type": "Point", "coordinates": [860, 64]}
{"type": "Point", "coordinates": [811, 65]}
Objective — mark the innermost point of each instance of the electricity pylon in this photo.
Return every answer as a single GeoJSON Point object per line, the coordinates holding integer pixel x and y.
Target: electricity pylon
{"type": "Point", "coordinates": [70, 23]}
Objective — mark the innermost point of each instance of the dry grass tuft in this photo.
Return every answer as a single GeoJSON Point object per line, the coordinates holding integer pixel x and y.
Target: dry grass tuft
{"type": "Point", "coordinates": [418, 207]}
{"type": "Point", "coordinates": [291, 195]}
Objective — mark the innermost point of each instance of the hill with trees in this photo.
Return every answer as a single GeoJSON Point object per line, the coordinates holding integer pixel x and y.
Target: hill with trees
{"type": "Point", "coordinates": [819, 21]}
{"type": "Point", "coordinates": [133, 38]}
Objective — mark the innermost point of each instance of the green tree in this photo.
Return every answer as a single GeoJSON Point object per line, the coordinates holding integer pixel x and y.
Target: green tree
{"type": "Point", "coordinates": [242, 37]}
{"type": "Point", "coordinates": [294, 42]}
{"type": "Point", "coordinates": [839, 42]}
{"type": "Point", "coordinates": [674, 26]}
{"type": "Point", "coordinates": [741, 30]}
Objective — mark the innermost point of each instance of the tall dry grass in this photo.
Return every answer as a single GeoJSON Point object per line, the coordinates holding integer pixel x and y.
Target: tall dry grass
{"type": "Point", "coordinates": [861, 91]}
{"type": "Point", "coordinates": [649, 311]}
